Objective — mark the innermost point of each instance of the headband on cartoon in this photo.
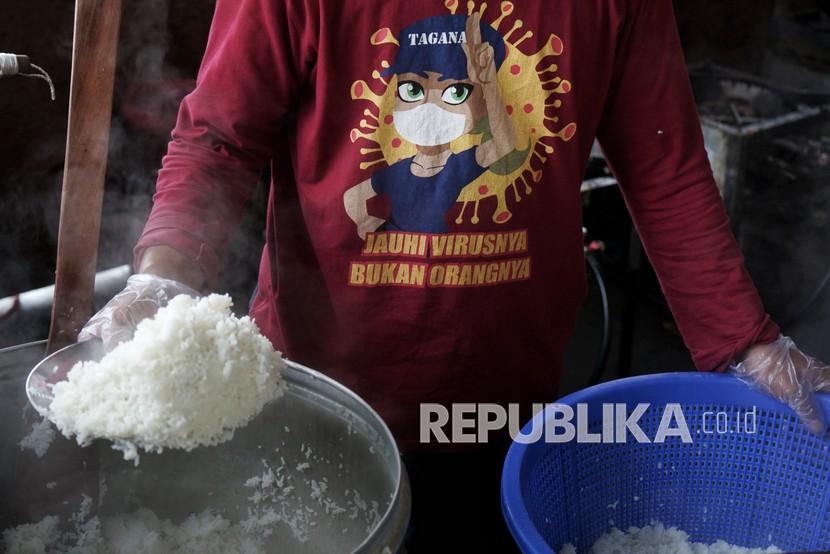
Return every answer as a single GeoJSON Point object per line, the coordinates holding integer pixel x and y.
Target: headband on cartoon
{"type": "Point", "coordinates": [434, 44]}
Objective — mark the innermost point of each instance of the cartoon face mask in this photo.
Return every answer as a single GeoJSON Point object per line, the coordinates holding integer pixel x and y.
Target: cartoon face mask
{"type": "Point", "coordinates": [429, 125]}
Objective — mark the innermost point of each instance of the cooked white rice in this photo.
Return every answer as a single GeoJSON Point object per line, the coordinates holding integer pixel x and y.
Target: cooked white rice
{"type": "Point", "coordinates": [273, 503]}
{"type": "Point", "coordinates": [190, 376]}
{"type": "Point", "coordinates": [659, 539]}
{"type": "Point", "coordinates": [33, 538]}
{"type": "Point", "coordinates": [141, 532]}
{"type": "Point", "coordinates": [39, 438]}
{"type": "Point", "coordinates": [205, 533]}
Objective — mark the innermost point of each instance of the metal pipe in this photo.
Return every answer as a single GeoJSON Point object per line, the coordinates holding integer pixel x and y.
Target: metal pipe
{"type": "Point", "coordinates": [19, 64]}
{"type": "Point", "coordinates": [13, 64]}
{"type": "Point", "coordinates": [107, 283]}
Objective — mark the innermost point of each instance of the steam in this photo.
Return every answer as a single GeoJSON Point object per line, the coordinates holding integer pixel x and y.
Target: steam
{"type": "Point", "coordinates": [31, 173]}
{"type": "Point", "coordinates": [134, 153]}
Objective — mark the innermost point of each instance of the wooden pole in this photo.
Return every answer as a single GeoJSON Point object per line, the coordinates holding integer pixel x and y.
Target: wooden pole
{"type": "Point", "coordinates": [87, 141]}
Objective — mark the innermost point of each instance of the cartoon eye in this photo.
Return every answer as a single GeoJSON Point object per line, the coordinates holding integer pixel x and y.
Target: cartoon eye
{"type": "Point", "coordinates": [457, 94]}
{"type": "Point", "coordinates": [410, 91]}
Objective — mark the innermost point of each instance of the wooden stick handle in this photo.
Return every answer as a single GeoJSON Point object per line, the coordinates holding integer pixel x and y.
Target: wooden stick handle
{"type": "Point", "coordinates": [90, 111]}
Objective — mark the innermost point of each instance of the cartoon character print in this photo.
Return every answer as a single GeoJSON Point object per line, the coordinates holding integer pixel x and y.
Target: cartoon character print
{"type": "Point", "coordinates": [447, 87]}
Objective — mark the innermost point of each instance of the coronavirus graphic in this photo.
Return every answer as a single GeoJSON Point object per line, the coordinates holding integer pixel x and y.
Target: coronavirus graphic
{"type": "Point", "coordinates": [533, 92]}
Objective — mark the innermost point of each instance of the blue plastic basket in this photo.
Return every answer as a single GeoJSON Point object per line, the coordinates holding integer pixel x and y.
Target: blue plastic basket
{"type": "Point", "coordinates": [753, 490]}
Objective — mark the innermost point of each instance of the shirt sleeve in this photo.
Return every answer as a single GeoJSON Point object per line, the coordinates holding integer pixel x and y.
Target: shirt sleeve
{"type": "Point", "coordinates": [259, 55]}
{"type": "Point", "coordinates": [651, 135]}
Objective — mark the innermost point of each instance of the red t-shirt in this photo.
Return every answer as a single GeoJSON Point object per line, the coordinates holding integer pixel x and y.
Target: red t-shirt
{"type": "Point", "coordinates": [424, 238]}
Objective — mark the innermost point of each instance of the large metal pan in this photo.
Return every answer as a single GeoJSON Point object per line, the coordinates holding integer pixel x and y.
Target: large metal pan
{"type": "Point", "coordinates": [317, 422]}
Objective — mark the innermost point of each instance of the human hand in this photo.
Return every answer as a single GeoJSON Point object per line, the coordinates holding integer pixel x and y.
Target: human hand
{"type": "Point", "coordinates": [144, 294]}
{"type": "Point", "coordinates": [481, 58]}
{"type": "Point", "coordinates": [783, 371]}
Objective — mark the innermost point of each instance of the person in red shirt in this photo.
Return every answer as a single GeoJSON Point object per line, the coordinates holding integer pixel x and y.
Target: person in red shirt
{"type": "Point", "coordinates": [424, 237]}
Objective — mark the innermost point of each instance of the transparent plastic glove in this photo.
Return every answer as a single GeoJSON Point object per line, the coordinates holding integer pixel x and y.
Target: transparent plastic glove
{"type": "Point", "coordinates": [785, 372]}
{"type": "Point", "coordinates": [140, 299]}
